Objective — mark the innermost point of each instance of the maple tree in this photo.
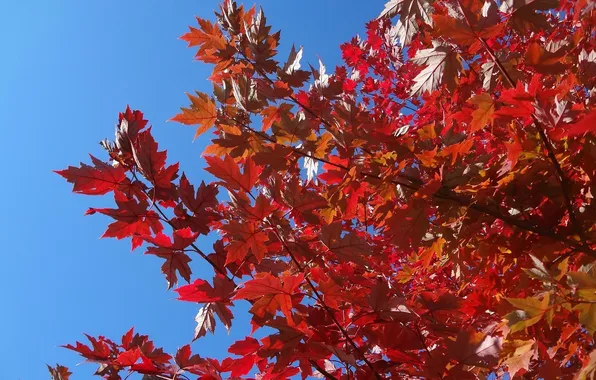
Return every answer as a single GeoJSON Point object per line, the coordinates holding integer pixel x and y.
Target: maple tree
{"type": "Point", "coordinates": [425, 211]}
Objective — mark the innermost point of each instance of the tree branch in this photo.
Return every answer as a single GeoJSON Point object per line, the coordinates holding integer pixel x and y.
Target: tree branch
{"type": "Point", "coordinates": [195, 248]}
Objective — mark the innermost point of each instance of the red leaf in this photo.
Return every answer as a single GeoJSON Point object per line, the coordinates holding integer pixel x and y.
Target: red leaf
{"type": "Point", "coordinates": [100, 352]}
{"type": "Point", "coordinates": [271, 294]}
{"type": "Point", "coordinates": [332, 293]}
{"type": "Point", "coordinates": [242, 365]}
{"type": "Point", "coordinates": [184, 358]}
{"type": "Point", "coordinates": [205, 196]}
{"type": "Point", "coordinates": [201, 291]}
{"type": "Point", "coordinates": [146, 366]}
{"type": "Point", "coordinates": [244, 347]}
{"type": "Point", "coordinates": [228, 171]}
{"type": "Point", "coordinates": [198, 291]}
{"type": "Point", "coordinates": [242, 238]}
{"type": "Point", "coordinates": [586, 125]}
{"type": "Point", "coordinates": [95, 180]}
{"type": "Point", "coordinates": [151, 162]}
{"type": "Point", "coordinates": [132, 219]}
{"type": "Point", "coordinates": [127, 338]}
{"type": "Point", "coordinates": [128, 358]}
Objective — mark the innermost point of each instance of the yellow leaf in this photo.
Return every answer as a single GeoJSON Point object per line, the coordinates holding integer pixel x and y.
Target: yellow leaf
{"type": "Point", "coordinates": [427, 132]}
{"type": "Point", "coordinates": [587, 316]}
{"type": "Point", "coordinates": [588, 371]}
{"type": "Point", "coordinates": [562, 268]}
{"type": "Point", "coordinates": [532, 306]}
{"type": "Point", "coordinates": [581, 280]}
{"type": "Point", "coordinates": [517, 320]}
{"type": "Point", "coordinates": [521, 355]}
{"type": "Point", "coordinates": [587, 294]}
{"type": "Point", "coordinates": [531, 310]}
{"type": "Point", "coordinates": [404, 275]}
{"type": "Point", "coordinates": [328, 214]}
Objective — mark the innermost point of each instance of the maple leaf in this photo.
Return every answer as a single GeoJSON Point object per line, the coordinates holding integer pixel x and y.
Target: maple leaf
{"type": "Point", "coordinates": [409, 224]}
{"type": "Point", "coordinates": [186, 360]}
{"type": "Point", "coordinates": [523, 14]}
{"type": "Point", "coordinates": [586, 125]}
{"type": "Point", "coordinates": [347, 246]}
{"type": "Point", "coordinates": [467, 23]}
{"type": "Point", "coordinates": [457, 150]}
{"type": "Point", "coordinates": [147, 366]}
{"type": "Point", "coordinates": [206, 195]}
{"type": "Point", "coordinates": [407, 9]}
{"type": "Point", "coordinates": [242, 238]}
{"type": "Point", "coordinates": [228, 171]}
{"type": "Point", "coordinates": [531, 310]}
{"type": "Point", "coordinates": [205, 318]}
{"type": "Point", "coordinates": [491, 72]}
{"type": "Point", "coordinates": [151, 162]}
{"type": "Point", "coordinates": [202, 291]}
{"type": "Point", "coordinates": [522, 353]}
{"type": "Point", "coordinates": [202, 112]}
{"type": "Point", "coordinates": [282, 345]}
{"type": "Point", "coordinates": [205, 321]}
{"type": "Point", "coordinates": [129, 358]}
{"type": "Point", "coordinates": [99, 179]}
{"type": "Point", "coordinates": [520, 102]}
{"type": "Point", "coordinates": [247, 348]}
{"type": "Point", "coordinates": [173, 252]}
{"type": "Point", "coordinates": [409, 12]}
{"type": "Point", "coordinates": [244, 347]}
{"type": "Point", "coordinates": [291, 72]}
{"type": "Point", "coordinates": [100, 351]}
{"type": "Point", "coordinates": [271, 293]}
{"type": "Point", "coordinates": [484, 114]}
{"type": "Point", "coordinates": [133, 219]}
{"type": "Point", "coordinates": [442, 66]}
{"type": "Point", "coordinates": [332, 293]}
{"type": "Point", "coordinates": [274, 114]}
{"type": "Point", "coordinates": [209, 35]}
{"type": "Point", "coordinates": [59, 372]}
{"type": "Point", "coordinates": [545, 60]}
{"type": "Point", "coordinates": [209, 39]}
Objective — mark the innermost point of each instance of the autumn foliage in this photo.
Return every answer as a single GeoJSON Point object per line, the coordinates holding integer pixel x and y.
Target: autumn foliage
{"type": "Point", "coordinates": [424, 211]}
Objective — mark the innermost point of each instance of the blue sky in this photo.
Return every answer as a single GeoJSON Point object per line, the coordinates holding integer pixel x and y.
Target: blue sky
{"type": "Point", "coordinates": [68, 67]}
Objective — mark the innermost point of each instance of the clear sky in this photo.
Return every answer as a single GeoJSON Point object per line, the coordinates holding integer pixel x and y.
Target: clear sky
{"type": "Point", "coordinates": [68, 67]}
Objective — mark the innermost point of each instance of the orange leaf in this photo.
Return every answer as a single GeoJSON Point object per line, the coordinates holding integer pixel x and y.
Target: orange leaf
{"type": "Point", "coordinates": [484, 114]}
{"type": "Point", "coordinates": [202, 112]}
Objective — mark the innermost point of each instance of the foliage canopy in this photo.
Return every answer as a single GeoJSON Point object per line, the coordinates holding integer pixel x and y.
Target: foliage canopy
{"type": "Point", "coordinates": [424, 211]}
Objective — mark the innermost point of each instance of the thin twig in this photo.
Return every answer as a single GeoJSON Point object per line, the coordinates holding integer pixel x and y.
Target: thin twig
{"type": "Point", "coordinates": [197, 249]}
{"type": "Point", "coordinates": [322, 370]}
